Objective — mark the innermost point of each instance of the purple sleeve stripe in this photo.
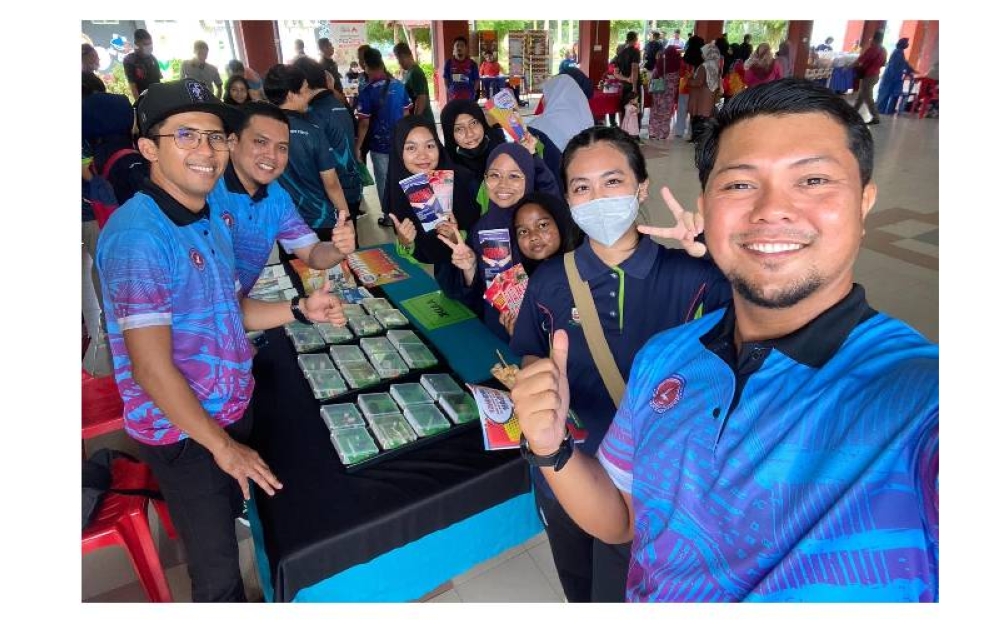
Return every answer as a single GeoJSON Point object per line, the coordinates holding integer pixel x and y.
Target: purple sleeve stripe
{"type": "Point", "coordinates": [621, 478]}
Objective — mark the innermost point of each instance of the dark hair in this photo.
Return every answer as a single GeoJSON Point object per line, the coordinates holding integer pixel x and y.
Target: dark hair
{"type": "Point", "coordinates": [610, 134]}
{"type": "Point", "coordinates": [570, 235]}
{"type": "Point", "coordinates": [788, 96]}
{"type": "Point", "coordinates": [300, 45]}
{"type": "Point", "coordinates": [314, 72]}
{"type": "Point", "coordinates": [227, 98]}
{"type": "Point", "coordinates": [361, 52]}
{"type": "Point", "coordinates": [402, 48]}
{"type": "Point", "coordinates": [323, 41]}
{"type": "Point", "coordinates": [87, 49]}
{"type": "Point", "coordinates": [373, 59]}
{"type": "Point", "coordinates": [200, 45]}
{"type": "Point", "coordinates": [236, 67]}
{"type": "Point", "coordinates": [459, 38]}
{"type": "Point", "coordinates": [632, 36]}
{"type": "Point", "coordinates": [280, 80]}
{"type": "Point", "coordinates": [262, 109]}
{"type": "Point", "coordinates": [878, 36]}
{"type": "Point", "coordinates": [141, 33]}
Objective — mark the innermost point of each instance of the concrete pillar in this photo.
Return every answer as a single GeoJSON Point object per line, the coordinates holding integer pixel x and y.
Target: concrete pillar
{"type": "Point", "coordinates": [595, 41]}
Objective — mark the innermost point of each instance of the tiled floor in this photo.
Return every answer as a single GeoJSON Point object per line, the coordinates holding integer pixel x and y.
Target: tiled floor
{"type": "Point", "coordinates": [898, 265]}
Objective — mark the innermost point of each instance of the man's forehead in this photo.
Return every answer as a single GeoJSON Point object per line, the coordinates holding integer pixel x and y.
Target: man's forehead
{"type": "Point", "coordinates": [201, 119]}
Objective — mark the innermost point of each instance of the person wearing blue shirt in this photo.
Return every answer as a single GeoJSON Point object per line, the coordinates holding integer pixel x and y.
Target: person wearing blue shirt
{"type": "Point", "coordinates": [382, 103]}
{"type": "Point", "coordinates": [326, 111]}
{"type": "Point", "coordinates": [784, 448]}
{"type": "Point", "coordinates": [177, 331]}
{"type": "Point", "coordinates": [890, 87]}
{"type": "Point", "coordinates": [624, 270]}
{"type": "Point", "coordinates": [311, 176]}
{"type": "Point", "coordinates": [259, 213]}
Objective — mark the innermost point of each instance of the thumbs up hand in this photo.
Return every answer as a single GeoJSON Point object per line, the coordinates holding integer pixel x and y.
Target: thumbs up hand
{"type": "Point", "coordinates": [343, 234]}
{"type": "Point", "coordinates": [541, 398]}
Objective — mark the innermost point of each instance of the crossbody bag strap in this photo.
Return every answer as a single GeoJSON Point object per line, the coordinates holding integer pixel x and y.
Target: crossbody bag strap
{"type": "Point", "coordinates": [596, 341]}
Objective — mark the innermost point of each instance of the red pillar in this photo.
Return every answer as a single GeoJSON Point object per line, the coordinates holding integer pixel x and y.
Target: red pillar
{"type": "Point", "coordinates": [442, 35]}
{"type": "Point", "coordinates": [595, 41]}
{"type": "Point", "coordinates": [926, 51]}
{"type": "Point", "coordinates": [709, 30]}
{"type": "Point", "coordinates": [259, 41]}
{"type": "Point", "coordinates": [799, 34]}
{"type": "Point", "coordinates": [853, 33]}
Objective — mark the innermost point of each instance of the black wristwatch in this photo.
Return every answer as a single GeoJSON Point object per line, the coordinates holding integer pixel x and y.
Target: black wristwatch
{"type": "Point", "coordinates": [297, 312]}
{"type": "Point", "coordinates": [556, 459]}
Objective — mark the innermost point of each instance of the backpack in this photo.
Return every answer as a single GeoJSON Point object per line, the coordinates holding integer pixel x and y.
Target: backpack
{"type": "Point", "coordinates": [97, 480]}
{"type": "Point", "coordinates": [102, 198]}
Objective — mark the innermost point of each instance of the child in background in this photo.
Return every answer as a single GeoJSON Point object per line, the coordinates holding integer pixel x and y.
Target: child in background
{"type": "Point", "coordinates": [630, 121]}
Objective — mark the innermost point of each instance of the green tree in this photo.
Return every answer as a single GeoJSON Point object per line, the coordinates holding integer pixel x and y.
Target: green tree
{"type": "Point", "coordinates": [771, 31]}
{"type": "Point", "coordinates": [620, 28]}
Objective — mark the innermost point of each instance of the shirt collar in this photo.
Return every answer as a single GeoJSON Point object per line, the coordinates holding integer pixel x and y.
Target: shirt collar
{"type": "Point", "coordinates": [235, 185]}
{"type": "Point", "coordinates": [814, 343]}
{"type": "Point", "coordinates": [174, 210]}
{"type": "Point", "coordinates": [635, 266]}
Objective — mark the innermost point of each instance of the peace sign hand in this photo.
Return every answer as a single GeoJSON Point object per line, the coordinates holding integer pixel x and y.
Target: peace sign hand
{"type": "Point", "coordinates": [688, 226]}
{"type": "Point", "coordinates": [462, 255]}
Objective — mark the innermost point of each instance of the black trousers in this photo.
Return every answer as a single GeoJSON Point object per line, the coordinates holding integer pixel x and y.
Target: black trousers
{"type": "Point", "coordinates": [204, 502]}
{"type": "Point", "coordinates": [589, 569]}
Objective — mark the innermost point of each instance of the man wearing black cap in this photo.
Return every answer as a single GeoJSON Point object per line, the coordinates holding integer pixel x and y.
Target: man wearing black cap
{"type": "Point", "coordinates": [182, 360]}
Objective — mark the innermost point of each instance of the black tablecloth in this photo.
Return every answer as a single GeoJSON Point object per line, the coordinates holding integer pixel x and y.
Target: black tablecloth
{"type": "Point", "coordinates": [326, 520]}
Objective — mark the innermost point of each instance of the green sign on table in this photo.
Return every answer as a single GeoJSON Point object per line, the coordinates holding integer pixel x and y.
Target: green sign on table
{"type": "Point", "coordinates": [436, 310]}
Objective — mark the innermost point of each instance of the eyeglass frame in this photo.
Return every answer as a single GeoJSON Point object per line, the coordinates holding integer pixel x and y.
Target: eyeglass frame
{"type": "Point", "coordinates": [464, 130]}
{"type": "Point", "coordinates": [203, 135]}
{"type": "Point", "coordinates": [509, 177]}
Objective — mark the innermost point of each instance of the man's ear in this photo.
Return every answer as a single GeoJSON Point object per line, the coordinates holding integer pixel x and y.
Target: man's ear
{"type": "Point", "coordinates": [148, 148]}
{"type": "Point", "coordinates": [868, 195]}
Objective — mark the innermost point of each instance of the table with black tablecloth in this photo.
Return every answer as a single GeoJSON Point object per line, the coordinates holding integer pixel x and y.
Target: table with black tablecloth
{"type": "Point", "coordinates": [398, 529]}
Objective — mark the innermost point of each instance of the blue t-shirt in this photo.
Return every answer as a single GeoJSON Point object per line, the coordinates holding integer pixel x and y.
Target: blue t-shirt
{"type": "Point", "coordinates": [655, 289]}
{"type": "Point", "coordinates": [256, 222]}
{"type": "Point", "coordinates": [335, 121]}
{"type": "Point", "coordinates": [397, 103]}
{"type": "Point", "coordinates": [309, 153]}
{"type": "Point", "coordinates": [162, 265]}
{"type": "Point", "coordinates": [801, 469]}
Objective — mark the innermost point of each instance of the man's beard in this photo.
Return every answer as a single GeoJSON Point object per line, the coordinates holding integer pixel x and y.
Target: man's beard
{"type": "Point", "coordinates": [786, 297]}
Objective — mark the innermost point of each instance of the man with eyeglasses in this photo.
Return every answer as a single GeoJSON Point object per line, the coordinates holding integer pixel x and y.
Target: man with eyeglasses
{"type": "Point", "coordinates": [177, 331]}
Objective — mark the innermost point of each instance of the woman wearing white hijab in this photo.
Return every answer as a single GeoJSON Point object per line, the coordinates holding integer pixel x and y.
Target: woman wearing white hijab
{"type": "Point", "coordinates": [703, 86]}
{"type": "Point", "coordinates": [567, 112]}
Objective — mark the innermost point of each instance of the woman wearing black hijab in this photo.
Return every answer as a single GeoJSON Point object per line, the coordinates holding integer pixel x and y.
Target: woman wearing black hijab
{"type": "Point", "coordinates": [478, 138]}
{"type": "Point", "coordinates": [426, 246]}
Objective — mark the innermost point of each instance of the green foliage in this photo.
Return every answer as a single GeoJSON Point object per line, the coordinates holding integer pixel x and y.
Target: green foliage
{"type": "Point", "coordinates": [771, 31]}
{"type": "Point", "coordinates": [620, 28]}
{"type": "Point", "coordinates": [378, 33]}
{"type": "Point", "coordinates": [117, 82]}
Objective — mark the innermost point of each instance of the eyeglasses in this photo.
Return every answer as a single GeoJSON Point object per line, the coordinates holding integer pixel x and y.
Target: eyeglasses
{"type": "Point", "coordinates": [470, 127]}
{"type": "Point", "coordinates": [190, 139]}
{"type": "Point", "coordinates": [493, 178]}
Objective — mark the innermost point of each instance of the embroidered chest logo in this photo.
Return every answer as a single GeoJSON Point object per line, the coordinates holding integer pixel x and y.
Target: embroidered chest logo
{"type": "Point", "coordinates": [667, 393]}
{"type": "Point", "coordinates": [228, 219]}
{"type": "Point", "coordinates": [197, 259]}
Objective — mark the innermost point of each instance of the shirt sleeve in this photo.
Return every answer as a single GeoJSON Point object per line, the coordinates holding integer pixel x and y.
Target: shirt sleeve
{"type": "Point", "coordinates": [617, 451]}
{"type": "Point", "coordinates": [293, 232]}
{"type": "Point", "coordinates": [364, 103]}
{"type": "Point", "coordinates": [446, 73]}
{"type": "Point", "coordinates": [419, 84]}
{"type": "Point", "coordinates": [135, 271]}
{"type": "Point", "coordinates": [473, 73]}
{"type": "Point", "coordinates": [325, 157]}
{"type": "Point", "coordinates": [129, 65]}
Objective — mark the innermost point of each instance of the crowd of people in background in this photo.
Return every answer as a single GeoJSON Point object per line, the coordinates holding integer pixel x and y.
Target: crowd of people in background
{"type": "Point", "coordinates": [285, 154]}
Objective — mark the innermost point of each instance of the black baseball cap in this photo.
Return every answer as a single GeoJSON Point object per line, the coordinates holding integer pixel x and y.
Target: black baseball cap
{"type": "Point", "coordinates": [163, 99]}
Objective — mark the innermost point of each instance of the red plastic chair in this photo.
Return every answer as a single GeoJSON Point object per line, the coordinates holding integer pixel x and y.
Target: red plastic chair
{"type": "Point", "coordinates": [122, 520]}
{"type": "Point", "coordinates": [102, 412]}
{"type": "Point", "coordinates": [927, 94]}
{"type": "Point", "coordinates": [101, 406]}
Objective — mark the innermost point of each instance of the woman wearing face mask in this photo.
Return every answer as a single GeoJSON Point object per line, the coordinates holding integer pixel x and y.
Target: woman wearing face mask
{"type": "Point", "coordinates": [488, 249]}
{"type": "Point", "coordinates": [542, 228]}
{"type": "Point", "coordinates": [639, 288]}
{"type": "Point", "coordinates": [416, 149]}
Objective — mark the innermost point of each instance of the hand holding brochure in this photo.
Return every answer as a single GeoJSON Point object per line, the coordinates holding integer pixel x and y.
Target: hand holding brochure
{"type": "Point", "coordinates": [501, 429]}
{"type": "Point", "coordinates": [502, 108]}
{"type": "Point", "coordinates": [425, 204]}
{"type": "Point", "coordinates": [506, 291]}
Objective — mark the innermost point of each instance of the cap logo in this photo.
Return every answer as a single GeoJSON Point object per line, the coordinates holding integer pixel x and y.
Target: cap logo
{"type": "Point", "coordinates": [667, 394]}
{"type": "Point", "coordinates": [197, 91]}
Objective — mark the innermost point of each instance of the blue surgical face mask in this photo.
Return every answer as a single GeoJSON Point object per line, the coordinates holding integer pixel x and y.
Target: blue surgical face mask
{"type": "Point", "coordinates": [606, 219]}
